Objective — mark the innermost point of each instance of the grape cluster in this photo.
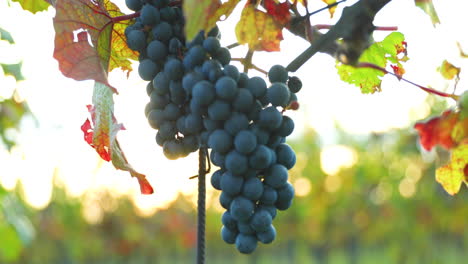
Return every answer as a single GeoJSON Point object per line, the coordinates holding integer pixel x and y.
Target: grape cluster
{"type": "Point", "coordinates": [198, 99]}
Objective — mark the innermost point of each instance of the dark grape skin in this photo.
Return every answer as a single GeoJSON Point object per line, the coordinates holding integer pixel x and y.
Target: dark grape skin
{"type": "Point", "coordinates": [266, 237]}
{"type": "Point", "coordinates": [261, 220]}
{"type": "Point", "coordinates": [231, 184]}
{"type": "Point", "coordinates": [149, 15]}
{"type": "Point", "coordinates": [216, 180]}
{"type": "Point", "coordinates": [134, 5]}
{"type": "Point", "coordinates": [294, 84]}
{"type": "Point", "coordinates": [246, 244]}
{"type": "Point", "coordinates": [162, 32]}
{"type": "Point", "coordinates": [277, 73]}
{"type": "Point", "coordinates": [278, 94]}
{"type": "Point", "coordinates": [245, 228]}
{"type": "Point", "coordinates": [236, 162]}
{"type": "Point", "coordinates": [147, 69]}
{"type": "Point", "coordinates": [270, 118]}
{"type": "Point", "coordinates": [276, 176]}
{"type": "Point", "coordinates": [156, 50]}
{"type": "Point", "coordinates": [241, 208]}
{"type": "Point", "coordinates": [228, 235]}
{"type": "Point", "coordinates": [220, 141]}
{"type": "Point", "coordinates": [252, 188]}
{"type": "Point", "coordinates": [245, 142]}
{"type": "Point", "coordinates": [136, 40]}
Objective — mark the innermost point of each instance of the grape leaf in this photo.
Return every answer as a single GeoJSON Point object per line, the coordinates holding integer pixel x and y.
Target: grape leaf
{"type": "Point", "coordinates": [330, 10]}
{"type": "Point", "coordinates": [203, 14]}
{"type": "Point", "coordinates": [453, 174]}
{"type": "Point", "coordinates": [33, 6]}
{"type": "Point", "coordinates": [392, 49]}
{"type": "Point", "coordinates": [101, 133]}
{"type": "Point", "coordinates": [438, 130]}
{"type": "Point", "coordinates": [428, 8]}
{"type": "Point", "coordinates": [13, 70]}
{"type": "Point", "coordinates": [279, 11]}
{"type": "Point", "coordinates": [448, 70]}
{"type": "Point", "coordinates": [88, 42]}
{"type": "Point", "coordinates": [5, 35]}
{"type": "Point", "coordinates": [259, 30]}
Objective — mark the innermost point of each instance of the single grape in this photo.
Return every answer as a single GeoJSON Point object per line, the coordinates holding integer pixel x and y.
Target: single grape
{"type": "Point", "coordinates": [148, 69]}
{"type": "Point", "coordinates": [216, 180]}
{"type": "Point", "coordinates": [245, 228]}
{"type": "Point", "coordinates": [149, 15]}
{"type": "Point", "coordinates": [270, 118]}
{"type": "Point", "coordinates": [278, 94]}
{"type": "Point", "coordinates": [257, 86]}
{"type": "Point", "coordinates": [211, 45]}
{"type": "Point", "coordinates": [286, 127]}
{"type": "Point", "coordinates": [276, 176]}
{"type": "Point", "coordinates": [136, 40]}
{"type": "Point", "coordinates": [220, 141]}
{"type": "Point", "coordinates": [174, 69]}
{"type": "Point", "coordinates": [156, 50]}
{"type": "Point", "coordinates": [243, 101]}
{"type": "Point", "coordinates": [231, 184]}
{"type": "Point", "coordinates": [277, 73]}
{"type": "Point", "coordinates": [236, 162]}
{"type": "Point", "coordinates": [219, 110]}
{"type": "Point", "coordinates": [245, 142]}
{"type": "Point", "coordinates": [228, 235]}
{"type": "Point", "coordinates": [161, 83]}
{"type": "Point", "coordinates": [203, 92]}
{"type": "Point", "coordinates": [223, 56]}
{"type": "Point", "coordinates": [228, 221]}
{"type": "Point", "coordinates": [226, 88]}
{"type": "Point", "coordinates": [285, 196]}
{"type": "Point", "coordinates": [252, 188]}
{"type": "Point", "coordinates": [261, 220]}
{"type": "Point", "coordinates": [260, 158]}
{"type": "Point", "coordinates": [267, 236]}
{"type": "Point", "coordinates": [269, 195]}
{"type": "Point", "coordinates": [134, 5]}
{"type": "Point", "coordinates": [285, 155]}
{"type": "Point", "coordinates": [241, 208]}
{"type": "Point", "coordinates": [162, 32]}
{"type": "Point", "coordinates": [294, 84]}
{"type": "Point", "coordinates": [236, 122]}
{"type": "Point", "coordinates": [231, 71]}
{"type": "Point", "coordinates": [171, 112]}
{"type": "Point", "coordinates": [226, 200]}
{"type": "Point", "coordinates": [155, 118]}
{"type": "Point", "coordinates": [246, 244]}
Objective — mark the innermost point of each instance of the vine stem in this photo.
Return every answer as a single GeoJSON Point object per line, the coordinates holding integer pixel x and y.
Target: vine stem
{"type": "Point", "coordinates": [202, 157]}
{"type": "Point", "coordinates": [125, 17]}
{"type": "Point", "coordinates": [426, 89]}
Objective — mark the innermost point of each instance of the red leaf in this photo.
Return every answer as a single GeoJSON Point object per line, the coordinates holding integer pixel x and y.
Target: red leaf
{"type": "Point", "coordinates": [437, 130]}
{"type": "Point", "coordinates": [88, 43]}
{"type": "Point", "coordinates": [279, 11]}
{"type": "Point", "coordinates": [88, 132]}
{"type": "Point", "coordinates": [145, 186]}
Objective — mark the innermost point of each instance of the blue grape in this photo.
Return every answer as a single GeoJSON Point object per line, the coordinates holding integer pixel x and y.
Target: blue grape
{"type": "Point", "coordinates": [260, 158]}
{"type": "Point", "coordinates": [231, 184]}
{"type": "Point", "coordinates": [189, 80]}
{"type": "Point", "coordinates": [277, 73]}
{"type": "Point", "coordinates": [174, 69]}
{"type": "Point", "coordinates": [220, 141]}
{"type": "Point", "coordinates": [167, 130]}
{"type": "Point", "coordinates": [223, 56]}
{"type": "Point", "coordinates": [236, 122]}
{"type": "Point", "coordinates": [228, 235]}
{"type": "Point", "coordinates": [243, 101]}
{"type": "Point", "coordinates": [245, 228]}
{"type": "Point", "coordinates": [134, 5]}
{"type": "Point", "coordinates": [261, 220]}
{"type": "Point", "coordinates": [197, 55]}
{"type": "Point", "coordinates": [203, 92]}
{"type": "Point", "coordinates": [159, 101]}
{"type": "Point", "coordinates": [257, 86]}
{"type": "Point", "coordinates": [148, 69]}
{"type": "Point", "coordinates": [216, 180]}
{"type": "Point", "coordinates": [252, 188]}
{"type": "Point", "coordinates": [285, 155]}
{"type": "Point", "coordinates": [217, 159]}
{"type": "Point", "coordinates": [241, 208]}
{"type": "Point", "coordinates": [286, 127]}
{"type": "Point", "coordinates": [267, 236]}
{"type": "Point", "coordinates": [149, 15]}
{"type": "Point", "coordinates": [275, 140]}
{"type": "Point", "coordinates": [243, 80]}
{"type": "Point", "coordinates": [211, 44]}
{"type": "Point", "coordinates": [226, 88]}
{"type": "Point", "coordinates": [156, 50]}
{"type": "Point", "coordinates": [171, 112]}
{"type": "Point", "coordinates": [245, 142]}
{"type": "Point", "coordinates": [228, 221]}
{"type": "Point", "coordinates": [269, 208]}
{"type": "Point", "coordinates": [276, 176]}
{"type": "Point", "coordinates": [172, 149]}
{"type": "Point", "coordinates": [285, 196]}
{"type": "Point", "coordinates": [161, 83]}
{"type": "Point", "coordinates": [162, 32]}
{"type": "Point", "coordinates": [254, 112]}
{"type": "Point", "coordinates": [175, 46]}
{"type": "Point", "coordinates": [193, 123]}
{"type": "Point", "coordinates": [211, 125]}
{"type": "Point", "coordinates": [278, 94]}
{"type": "Point", "coordinates": [191, 143]}
{"type": "Point", "coordinates": [136, 40]}
{"type": "Point", "coordinates": [294, 84]}
{"type": "Point", "coordinates": [219, 110]}
{"type": "Point", "coordinates": [149, 88]}
{"type": "Point", "coordinates": [269, 195]}
{"type": "Point", "coordinates": [231, 71]}
{"type": "Point", "coordinates": [236, 162]}
{"type": "Point", "coordinates": [168, 14]}
{"type": "Point", "coordinates": [155, 118]}
{"type": "Point", "coordinates": [246, 244]}
{"type": "Point", "coordinates": [177, 92]}
{"type": "Point", "coordinates": [226, 200]}
{"type": "Point", "coordinates": [262, 135]}
{"type": "Point", "coordinates": [270, 118]}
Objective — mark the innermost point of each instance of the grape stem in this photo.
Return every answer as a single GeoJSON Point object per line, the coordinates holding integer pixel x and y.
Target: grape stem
{"type": "Point", "coordinates": [426, 89]}
{"type": "Point", "coordinates": [252, 66]}
{"type": "Point", "coordinates": [117, 19]}
{"type": "Point", "coordinates": [326, 26]}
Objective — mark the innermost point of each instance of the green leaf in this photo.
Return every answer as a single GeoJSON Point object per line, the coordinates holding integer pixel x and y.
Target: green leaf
{"type": "Point", "coordinates": [452, 175]}
{"type": "Point", "coordinates": [203, 14]}
{"type": "Point", "coordinates": [428, 8]}
{"type": "Point", "coordinates": [13, 70]}
{"type": "Point", "coordinates": [5, 35]}
{"type": "Point", "coordinates": [33, 6]}
{"type": "Point", "coordinates": [11, 244]}
{"type": "Point", "coordinates": [380, 54]}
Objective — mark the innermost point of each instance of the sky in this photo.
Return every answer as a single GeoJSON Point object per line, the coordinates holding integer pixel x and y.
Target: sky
{"type": "Point", "coordinates": [52, 143]}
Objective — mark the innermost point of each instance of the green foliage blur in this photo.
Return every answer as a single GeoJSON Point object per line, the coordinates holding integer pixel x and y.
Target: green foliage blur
{"type": "Point", "coordinates": [386, 208]}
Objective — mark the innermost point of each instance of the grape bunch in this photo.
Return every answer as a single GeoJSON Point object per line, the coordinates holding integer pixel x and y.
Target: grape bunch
{"type": "Point", "coordinates": [197, 99]}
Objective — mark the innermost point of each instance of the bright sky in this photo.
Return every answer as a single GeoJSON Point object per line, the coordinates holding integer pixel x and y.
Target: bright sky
{"type": "Point", "coordinates": [55, 145]}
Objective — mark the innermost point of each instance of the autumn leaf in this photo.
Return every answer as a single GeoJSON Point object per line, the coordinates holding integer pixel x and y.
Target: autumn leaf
{"type": "Point", "coordinates": [33, 6]}
{"type": "Point", "coordinates": [330, 10]}
{"type": "Point", "coordinates": [88, 42]}
{"type": "Point", "coordinates": [279, 11]}
{"type": "Point", "coordinates": [203, 14]}
{"type": "Point", "coordinates": [428, 7]}
{"type": "Point", "coordinates": [390, 50]}
{"type": "Point", "coordinates": [438, 130]}
{"type": "Point", "coordinates": [453, 174]}
{"type": "Point", "coordinates": [448, 70]}
{"type": "Point", "coordinates": [259, 30]}
{"type": "Point", "coordinates": [100, 133]}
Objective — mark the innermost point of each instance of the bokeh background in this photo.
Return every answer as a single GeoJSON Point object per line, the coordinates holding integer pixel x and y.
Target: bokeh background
{"type": "Point", "coordinates": [365, 191]}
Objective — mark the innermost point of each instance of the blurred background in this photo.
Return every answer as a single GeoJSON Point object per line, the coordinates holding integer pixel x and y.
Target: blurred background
{"type": "Point", "coordinates": [365, 191]}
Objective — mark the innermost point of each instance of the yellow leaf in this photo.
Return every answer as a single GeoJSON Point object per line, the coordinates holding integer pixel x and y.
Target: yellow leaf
{"type": "Point", "coordinates": [452, 175]}
{"type": "Point", "coordinates": [259, 30]}
{"type": "Point", "coordinates": [330, 10]}
{"type": "Point", "coordinates": [448, 70]}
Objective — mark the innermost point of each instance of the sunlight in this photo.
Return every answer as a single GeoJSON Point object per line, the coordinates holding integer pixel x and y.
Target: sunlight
{"type": "Point", "coordinates": [336, 157]}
